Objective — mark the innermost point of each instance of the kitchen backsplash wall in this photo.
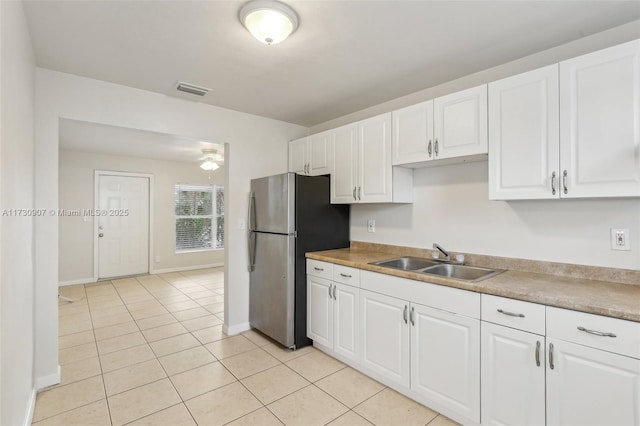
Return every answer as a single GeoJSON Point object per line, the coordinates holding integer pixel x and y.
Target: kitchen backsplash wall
{"type": "Point", "coordinates": [451, 207]}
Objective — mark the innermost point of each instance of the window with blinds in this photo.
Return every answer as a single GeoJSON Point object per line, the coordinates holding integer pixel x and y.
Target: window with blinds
{"type": "Point", "coordinates": [199, 212]}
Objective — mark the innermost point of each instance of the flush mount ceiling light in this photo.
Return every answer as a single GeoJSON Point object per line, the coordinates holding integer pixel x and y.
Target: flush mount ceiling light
{"type": "Point", "coordinates": [211, 159]}
{"type": "Point", "coordinates": [269, 20]}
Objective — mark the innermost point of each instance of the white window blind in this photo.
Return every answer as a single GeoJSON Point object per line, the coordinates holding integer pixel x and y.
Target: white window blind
{"type": "Point", "coordinates": [199, 212]}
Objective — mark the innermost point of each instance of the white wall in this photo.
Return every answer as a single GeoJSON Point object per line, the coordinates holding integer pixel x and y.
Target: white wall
{"type": "Point", "coordinates": [16, 192]}
{"type": "Point", "coordinates": [256, 147]}
{"type": "Point", "coordinates": [451, 204]}
{"type": "Point", "coordinates": [76, 183]}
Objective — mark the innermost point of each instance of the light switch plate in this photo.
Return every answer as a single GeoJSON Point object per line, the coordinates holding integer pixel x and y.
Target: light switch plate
{"type": "Point", "coordinates": [620, 239]}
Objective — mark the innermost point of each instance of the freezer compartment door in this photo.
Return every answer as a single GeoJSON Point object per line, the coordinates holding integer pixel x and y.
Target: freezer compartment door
{"type": "Point", "coordinates": [272, 204]}
{"type": "Point", "coordinates": [272, 287]}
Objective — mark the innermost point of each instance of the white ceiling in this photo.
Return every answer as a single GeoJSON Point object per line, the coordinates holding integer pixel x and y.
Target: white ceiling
{"type": "Point", "coordinates": [345, 56]}
{"type": "Point", "coordinates": [105, 139]}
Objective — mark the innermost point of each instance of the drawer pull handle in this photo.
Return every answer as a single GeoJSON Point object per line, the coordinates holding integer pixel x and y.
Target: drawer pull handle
{"type": "Point", "coordinates": [404, 314]}
{"type": "Point", "coordinates": [538, 353]}
{"type": "Point", "coordinates": [551, 365]}
{"type": "Point", "coordinates": [318, 269]}
{"type": "Point", "coordinates": [511, 314]}
{"type": "Point", "coordinates": [596, 332]}
{"type": "Point", "coordinates": [345, 275]}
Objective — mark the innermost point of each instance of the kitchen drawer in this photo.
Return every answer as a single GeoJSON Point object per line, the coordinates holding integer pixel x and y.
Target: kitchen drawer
{"type": "Point", "coordinates": [579, 327]}
{"type": "Point", "coordinates": [320, 269]}
{"type": "Point", "coordinates": [346, 275]}
{"type": "Point", "coordinates": [513, 313]}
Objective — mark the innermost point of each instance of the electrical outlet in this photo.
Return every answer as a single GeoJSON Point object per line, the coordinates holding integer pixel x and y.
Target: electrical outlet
{"type": "Point", "coordinates": [371, 225]}
{"type": "Point", "coordinates": [241, 223]}
{"type": "Point", "coordinates": [620, 239]}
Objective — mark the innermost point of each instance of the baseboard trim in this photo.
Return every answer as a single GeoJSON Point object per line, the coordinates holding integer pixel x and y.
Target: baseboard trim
{"type": "Point", "coordinates": [28, 418]}
{"type": "Point", "coordinates": [76, 281]}
{"type": "Point", "coordinates": [50, 380]}
{"type": "Point", "coordinates": [236, 329]}
{"type": "Point", "coordinates": [186, 268]}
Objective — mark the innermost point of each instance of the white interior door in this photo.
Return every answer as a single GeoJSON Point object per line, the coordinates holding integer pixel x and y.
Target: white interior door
{"type": "Point", "coordinates": [123, 226]}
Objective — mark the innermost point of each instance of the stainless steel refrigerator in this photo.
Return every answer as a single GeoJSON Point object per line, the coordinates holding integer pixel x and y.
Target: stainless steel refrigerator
{"type": "Point", "coordinates": [289, 215]}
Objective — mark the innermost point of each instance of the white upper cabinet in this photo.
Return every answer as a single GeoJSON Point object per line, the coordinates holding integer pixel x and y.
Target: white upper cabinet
{"type": "Point", "coordinates": [413, 134]}
{"type": "Point", "coordinates": [344, 164]}
{"type": "Point", "coordinates": [298, 156]}
{"type": "Point", "coordinates": [524, 135]}
{"type": "Point", "coordinates": [460, 123]}
{"type": "Point", "coordinates": [587, 147]}
{"type": "Point", "coordinates": [311, 155]}
{"type": "Point", "coordinates": [600, 123]}
{"type": "Point", "coordinates": [361, 164]}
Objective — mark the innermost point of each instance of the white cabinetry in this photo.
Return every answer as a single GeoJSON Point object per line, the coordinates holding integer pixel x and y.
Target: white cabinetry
{"type": "Point", "coordinates": [452, 127]}
{"type": "Point", "coordinates": [333, 312]}
{"type": "Point", "coordinates": [311, 155]}
{"type": "Point", "coordinates": [361, 164]}
{"type": "Point", "coordinates": [513, 372]}
{"type": "Point", "coordinates": [524, 136]}
{"type": "Point", "coordinates": [600, 123]}
{"type": "Point", "coordinates": [593, 378]}
{"type": "Point", "coordinates": [423, 341]}
{"type": "Point", "coordinates": [589, 146]}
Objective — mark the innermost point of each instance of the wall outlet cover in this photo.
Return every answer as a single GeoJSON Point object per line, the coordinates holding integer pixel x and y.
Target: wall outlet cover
{"type": "Point", "coordinates": [620, 239]}
{"type": "Point", "coordinates": [371, 225]}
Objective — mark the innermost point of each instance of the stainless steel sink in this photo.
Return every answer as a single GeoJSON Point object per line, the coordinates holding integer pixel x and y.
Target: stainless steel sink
{"type": "Point", "coordinates": [406, 263]}
{"type": "Point", "coordinates": [462, 272]}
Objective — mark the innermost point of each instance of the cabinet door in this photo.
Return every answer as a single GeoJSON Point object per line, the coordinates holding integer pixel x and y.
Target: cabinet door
{"type": "Point", "coordinates": [374, 160]}
{"type": "Point", "coordinates": [344, 164]}
{"type": "Point", "coordinates": [591, 387]}
{"type": "Point", "coordinates": [445, 359]}
{"type": "Point", "coordinates": [513, 385]}
{"type": "Point", "coordinates": [524, 140]}
{"type": "Point", "coordinates": [319, 311]}
{"type": "Point", "coordinates": [346, 319]}
{"type": "Point", "coordinates": [385, 337]}
{"type": "Point", "coordinates": [600, 123]}
{"type": "Point", "coordinates": [413, 134]}
{"type": "Point", "coordinates": [320, 153]}
{"type": "Point", "coordinates": [298, 156]}
{"type": "Point", "coordinates": [460, 123]}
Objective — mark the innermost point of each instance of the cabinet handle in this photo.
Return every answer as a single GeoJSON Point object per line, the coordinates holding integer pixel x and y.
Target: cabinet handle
{"type": "Point", "coordinates": [354, 193]}
{"type": "Point", "coordinates": [511, 314]}
{"type": "Point", "coordinates": [411, 316]}
{"type": "Point", "coordinates": [308, 168]}
{"type": "Point", "coordinates": [551, 365]}
{"type": "Point", "coordinates": [597, 333]}
{"type": "Point", "coordinates": [404, 314]}
{"type": "Point", "coordinates": [330, 285]}
{"type": "Point", "coordinates": [318, 269]}
{"type": "Point", "coordinates": [359, 191]}
{"type": "Point", "coordinates": [345, 275]}
{"type": "Point", "coordinates": [436, 147]}
{"type": "Point", "coordinates": [538, 353]}
{"type": "Point", "coordinates": [429, 148]}
{"type": "Point", "coordinates": [564, 182]}
{"type": "Point", "coordinates": [553, 183]}
{"type": "Point", "coordinates": [335, 287]}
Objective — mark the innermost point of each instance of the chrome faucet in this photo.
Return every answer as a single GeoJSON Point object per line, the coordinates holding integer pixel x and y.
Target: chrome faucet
{"type": "Point", "coordinates": [443, 251]}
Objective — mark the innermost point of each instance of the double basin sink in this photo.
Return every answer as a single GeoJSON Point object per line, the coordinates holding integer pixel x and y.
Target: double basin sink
{"type": "Point", "coordinates": [439, 268]}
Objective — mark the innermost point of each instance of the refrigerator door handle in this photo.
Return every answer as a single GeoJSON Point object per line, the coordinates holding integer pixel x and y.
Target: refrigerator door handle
{"type": "Point", "coordinates": [251, 212]}
{"type": "Point", "coordinates": [251, 247]}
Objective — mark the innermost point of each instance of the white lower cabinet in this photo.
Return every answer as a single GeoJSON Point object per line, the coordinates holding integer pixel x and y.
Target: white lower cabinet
{"type": "Point", "coordinates": [588, 386]}
{"type": "Point", "coordinates": [513, 376]}
{"type": "Point", "coordinates": [385, 337]}
{"type": "Point", "coordinates": [333, 316]}
{"type": "Point", "coordinates": [445, 361]}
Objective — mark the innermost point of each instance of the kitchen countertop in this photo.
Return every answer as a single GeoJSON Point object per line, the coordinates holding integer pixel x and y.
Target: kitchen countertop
{"type": "Point", "coordinates": [596, 297]}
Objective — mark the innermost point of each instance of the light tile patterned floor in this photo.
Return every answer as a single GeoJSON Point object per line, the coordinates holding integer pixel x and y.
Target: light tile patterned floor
{"type": "Point", "coordinates": [150, 351]}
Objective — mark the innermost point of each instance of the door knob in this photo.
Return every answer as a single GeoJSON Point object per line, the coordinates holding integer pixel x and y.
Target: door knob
{"type": "Point", "coordinates": [101, 235]}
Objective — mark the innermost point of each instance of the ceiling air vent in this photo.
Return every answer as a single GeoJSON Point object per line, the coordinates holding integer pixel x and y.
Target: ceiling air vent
{"type": "Point", "coordinates": [192, 89]}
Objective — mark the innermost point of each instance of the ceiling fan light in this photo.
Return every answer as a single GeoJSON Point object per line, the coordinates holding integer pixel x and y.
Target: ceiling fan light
{"type": "Point", "coordinates": [269, 21]}
{"type": "Point", "coordinates": [209, 165]}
